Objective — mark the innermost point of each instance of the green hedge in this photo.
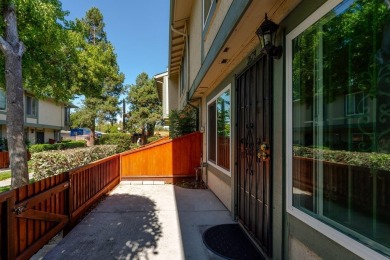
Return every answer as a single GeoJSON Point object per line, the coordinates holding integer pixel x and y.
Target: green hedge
{"type": "Point", "coordinates": [121, 140]}
{"type": "Point", "coordinates": [379, 161]}
{"type": "Point", "coordinates": [153, 138]}
{"type": "Point", "coordinates": [46, 164]}
{"type": "Point", "coordinates": [37, 148]}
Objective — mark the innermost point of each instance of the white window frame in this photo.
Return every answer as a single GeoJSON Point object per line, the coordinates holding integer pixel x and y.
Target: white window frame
{"type": "Point", "coordinates": [347, 242]}
{"type": "Point", "coordinates": [355, 113]}
{"type": "Point", "coordinates": [34, 109]}
{"type": "Point", "coordinates": [205, 19]}
{"type": "Point", "coordinates": [227, 172]}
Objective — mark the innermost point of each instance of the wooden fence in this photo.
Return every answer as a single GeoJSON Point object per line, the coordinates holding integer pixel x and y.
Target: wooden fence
{"type": "Point", "coordinates": [366, 190]}
{"type": "Point", "coordinates": [4, 160]}
{"type": "Point", "coordinates": [165, 158]}
{"type": "Point", "coordinates": [31, 215]}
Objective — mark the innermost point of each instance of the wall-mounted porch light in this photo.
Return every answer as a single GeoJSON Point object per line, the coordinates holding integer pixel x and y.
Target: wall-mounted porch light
{"type": "Point", "coordinates": [267, 36]}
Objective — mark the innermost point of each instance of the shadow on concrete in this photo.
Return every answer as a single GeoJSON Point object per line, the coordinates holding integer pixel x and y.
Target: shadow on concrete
{"type": "Point", "coordinates": [198, 210]}
{"type": "Point", "coordinates": [122, 226]}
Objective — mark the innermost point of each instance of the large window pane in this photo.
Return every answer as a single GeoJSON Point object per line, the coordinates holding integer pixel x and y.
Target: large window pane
{"type": "Point", "coordinates": [211, 132]}
{"type": "Point", "coordinates": [341, 121]}
{"type": "Point", "coordinates": [31, 106]}
{"type": "Point", "coordinates": [219, 121]}
{"type": "Point", "coordinates": [223, 132]}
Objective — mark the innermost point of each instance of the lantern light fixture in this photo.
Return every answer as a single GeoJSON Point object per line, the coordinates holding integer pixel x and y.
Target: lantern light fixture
{"type": "Point", "coordinates": [267, 36]}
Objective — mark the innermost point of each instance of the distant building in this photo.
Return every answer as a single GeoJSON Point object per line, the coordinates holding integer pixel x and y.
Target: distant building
{"type": "Point", "coordinates": [43, 118]}
{"type": "Point", "coordinates": [167, 90]}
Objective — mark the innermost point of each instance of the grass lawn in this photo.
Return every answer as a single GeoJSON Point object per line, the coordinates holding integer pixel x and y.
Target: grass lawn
{"type": "Point", "coordinates": [4, 188]}
{"type": "Point", "coordinates": [5, 175]}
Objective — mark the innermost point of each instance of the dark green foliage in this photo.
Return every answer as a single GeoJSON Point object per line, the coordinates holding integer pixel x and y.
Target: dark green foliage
{"type": "Point", "coordinates": [122, 141]}
{"type": "Point", "coordinates": [3, 144]}
{"type": "Point", "coordinates": [370, 160]}
{"type": "Point", "coordinates": [153, 138]}
{"type": "Point", "coordinates": [46, 164]}
{"type": "Point", "coordinates": [145, 107]}
{"type": "Point", "coordinates": [182, 122]}
{"type": "Point", "coordinates": [37, 148]}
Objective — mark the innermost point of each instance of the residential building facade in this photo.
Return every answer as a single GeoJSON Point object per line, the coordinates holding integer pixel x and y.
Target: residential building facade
{"type": "Point", "coordinates": [297, 146]}
{"type": "Point", "coordinates": [44, 118]}
{"type": "Point", "coordinates": [167, 93]}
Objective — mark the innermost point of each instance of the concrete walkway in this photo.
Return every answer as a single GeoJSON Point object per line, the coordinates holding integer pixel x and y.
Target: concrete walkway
{"type": "Point", "coordinates": [145, 222]}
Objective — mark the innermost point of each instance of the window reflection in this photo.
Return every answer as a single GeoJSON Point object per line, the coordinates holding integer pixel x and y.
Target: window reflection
{"type": "Point", "coordinates": [341, 120]}
{"type": "Point", "coordinates": [219, 130]}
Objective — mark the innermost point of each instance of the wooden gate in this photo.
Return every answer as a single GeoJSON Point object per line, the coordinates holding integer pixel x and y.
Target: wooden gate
{"type": "Point", "coordinates": [253, 146]}
{"type": "Point", "coordinates": [33, 215]}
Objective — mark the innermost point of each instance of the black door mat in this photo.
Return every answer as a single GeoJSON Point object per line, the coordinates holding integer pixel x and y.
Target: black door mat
{"type": "Point", "coordinates": [230, 241]}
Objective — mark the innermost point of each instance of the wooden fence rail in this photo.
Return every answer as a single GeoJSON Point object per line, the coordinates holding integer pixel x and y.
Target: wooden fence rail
{"type": "Point", "coordinates": [31, 215]}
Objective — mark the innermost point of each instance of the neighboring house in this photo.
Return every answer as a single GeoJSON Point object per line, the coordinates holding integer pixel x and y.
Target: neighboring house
{"type": "Point", "coordinates": [167, 93]}
{"type": "Point", "coordinates": [44, 118]}
{"type": "Point", "coordinates": [329, 90]}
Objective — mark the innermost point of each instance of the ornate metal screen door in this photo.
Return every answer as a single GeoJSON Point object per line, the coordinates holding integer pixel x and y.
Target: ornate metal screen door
{"type": "Point", "coordinates": [253, 151]}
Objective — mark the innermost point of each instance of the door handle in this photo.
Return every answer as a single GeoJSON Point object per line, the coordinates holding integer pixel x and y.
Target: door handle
{"type": "Point", "coordinates": [264, 152]}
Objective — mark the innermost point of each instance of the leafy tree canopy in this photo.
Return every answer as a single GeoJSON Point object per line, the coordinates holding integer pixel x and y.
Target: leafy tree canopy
{"type": "Point", "coordinates": [50, 60]}
{"type": "Point", "coordinates": [99, 77]}
{"type": "Point", "coordinates": [145, 107]}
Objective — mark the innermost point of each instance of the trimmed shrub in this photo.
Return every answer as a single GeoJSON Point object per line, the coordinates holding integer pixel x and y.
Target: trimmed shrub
{"type": "Point", "coordinates": [46, 164]}
{"type": "Point", "coordinates": [121, 140]}
{"type": "Point", "coordinates": [37, 148]}
{"type": "Point", "coordinates": [377, 161]}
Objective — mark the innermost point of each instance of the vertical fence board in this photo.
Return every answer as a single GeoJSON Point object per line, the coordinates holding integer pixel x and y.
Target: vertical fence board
{"type": "Point", "coordinates": [167, 158]}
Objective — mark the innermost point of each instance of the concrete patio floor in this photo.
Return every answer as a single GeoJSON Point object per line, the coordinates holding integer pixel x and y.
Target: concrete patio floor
{"type": "Point", "coordinates": [154, 221]}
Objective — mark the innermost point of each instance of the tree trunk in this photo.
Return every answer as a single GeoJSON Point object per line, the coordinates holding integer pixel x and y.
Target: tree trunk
{"type": "Point", "coordinates": [144, 136]}
{"type": "Point", "coordinates": [92, 135]}
{"type": "Point", "coordinates": [13, 50]}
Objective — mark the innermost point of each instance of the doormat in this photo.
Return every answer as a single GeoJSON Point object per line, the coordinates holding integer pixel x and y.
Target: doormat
{"type": "Point", "coordinates": [230, 241]}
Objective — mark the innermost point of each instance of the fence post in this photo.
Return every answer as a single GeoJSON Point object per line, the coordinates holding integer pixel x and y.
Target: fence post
{"type": "Point", "coordinates": [120, 167]}
{"type": "Point", "coordinates": [70, 199]}
{"type": "Point", "coordinates": [11, 228]}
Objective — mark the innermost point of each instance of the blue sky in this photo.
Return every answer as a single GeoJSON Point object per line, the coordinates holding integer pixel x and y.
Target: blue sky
{"type": "Point", "coordinates": [138, 30]}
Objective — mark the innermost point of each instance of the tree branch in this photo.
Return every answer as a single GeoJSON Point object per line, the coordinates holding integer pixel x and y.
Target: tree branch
{"type": "Point", "coordinates": [4, 45]}
{"type": "Point", "coordinates": [22, 49]}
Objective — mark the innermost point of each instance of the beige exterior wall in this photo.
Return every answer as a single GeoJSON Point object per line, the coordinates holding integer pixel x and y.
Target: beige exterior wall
{"type": "Point", "coordinates": [50, 113]}
{"type": "Point", "coordinates": [195, 38]}
{"type": "Point", "coordinates": [3, 117]}
{"type": "Point", "coordinates": [32, 134]}
{"type": "Point", "coordinates": [31, 120]}
{"type": "Point", "coordinates": [173, 91]}
{"type": "Point", "coordinates": [220, 188]}
{"type": "Point", "coordinates": [299, 251]}
{"type": "Point", "coordinates": [49, 134]}
{"type": "Point", "coordinates": [215, 23]}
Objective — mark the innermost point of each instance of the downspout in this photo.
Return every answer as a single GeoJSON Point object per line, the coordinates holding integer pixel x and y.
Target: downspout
{"type": "Point", "coordinates": [202, 163]}
{"type": "Point", "coordinates": [197, 114]}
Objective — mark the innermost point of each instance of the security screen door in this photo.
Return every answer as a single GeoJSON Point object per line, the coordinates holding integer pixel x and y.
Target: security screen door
{"type": "Point", "coordinates": [254, 117]}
